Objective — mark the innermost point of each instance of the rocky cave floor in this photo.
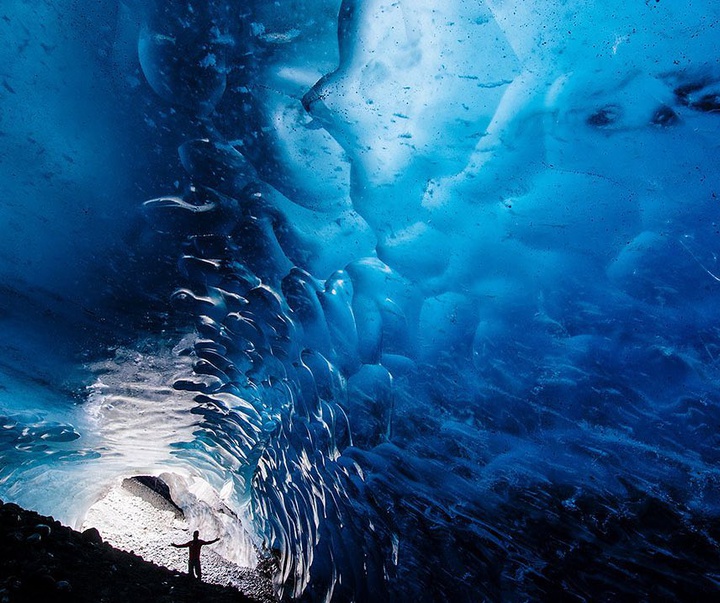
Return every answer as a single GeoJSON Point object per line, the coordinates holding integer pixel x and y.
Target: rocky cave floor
{"type": "Point", "coordinates": [43, 560]}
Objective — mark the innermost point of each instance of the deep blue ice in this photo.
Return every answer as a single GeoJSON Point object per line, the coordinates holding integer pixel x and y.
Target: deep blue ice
{"type": "Point", "coordinates": [425, 291]}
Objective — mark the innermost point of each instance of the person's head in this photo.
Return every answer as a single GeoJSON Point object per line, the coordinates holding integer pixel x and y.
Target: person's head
{"type": "Point", "coordinates": [196, 534]}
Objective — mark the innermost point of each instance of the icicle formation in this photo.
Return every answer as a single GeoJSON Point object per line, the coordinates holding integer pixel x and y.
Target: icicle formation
{"type": "Point", "coordinates": [284, 380]}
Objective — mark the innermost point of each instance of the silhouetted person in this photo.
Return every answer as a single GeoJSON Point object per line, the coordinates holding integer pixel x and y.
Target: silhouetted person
{"type": "Point", "coordinates": [194, 559]}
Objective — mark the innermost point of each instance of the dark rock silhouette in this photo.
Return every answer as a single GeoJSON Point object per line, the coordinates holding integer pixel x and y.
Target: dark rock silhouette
{"type": "Point", "coordinates": [43, 560]}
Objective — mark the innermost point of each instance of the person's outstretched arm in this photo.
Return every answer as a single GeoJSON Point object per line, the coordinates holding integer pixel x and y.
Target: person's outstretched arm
{"type": "Point", "coordinates": [180, 546]}
{"type": "Point", "coordinates": [211, 541]}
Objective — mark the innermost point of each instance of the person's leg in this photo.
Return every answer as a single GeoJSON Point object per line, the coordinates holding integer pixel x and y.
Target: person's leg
{"type": "Point", "coordinates": [194, 569]}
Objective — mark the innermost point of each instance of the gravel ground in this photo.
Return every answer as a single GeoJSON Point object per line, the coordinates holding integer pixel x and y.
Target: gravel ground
{"type": "Point", "coordinates": [43, 561]}
{"type": "Point", "coordinates": [133, 517]}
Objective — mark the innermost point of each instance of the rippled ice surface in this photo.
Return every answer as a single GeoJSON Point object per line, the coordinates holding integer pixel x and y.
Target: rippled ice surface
{"type": "Point", "coordinates": [422, 295]}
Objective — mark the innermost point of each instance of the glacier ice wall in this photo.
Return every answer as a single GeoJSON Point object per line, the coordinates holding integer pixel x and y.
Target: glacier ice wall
{"type": "Point", "coordinates": [425, 289]}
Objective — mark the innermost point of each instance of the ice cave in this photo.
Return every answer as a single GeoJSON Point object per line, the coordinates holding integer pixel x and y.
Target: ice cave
{"type": "Point", "coordinates": [415, 296]}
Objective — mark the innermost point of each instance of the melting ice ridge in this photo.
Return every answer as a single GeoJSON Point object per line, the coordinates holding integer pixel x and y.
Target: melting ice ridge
{"type": "Point", "coordinates": [425, 291]}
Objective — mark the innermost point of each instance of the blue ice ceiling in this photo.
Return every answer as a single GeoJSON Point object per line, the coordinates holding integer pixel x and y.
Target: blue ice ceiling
{"type": "Point", "coordinates": [426, 291]}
